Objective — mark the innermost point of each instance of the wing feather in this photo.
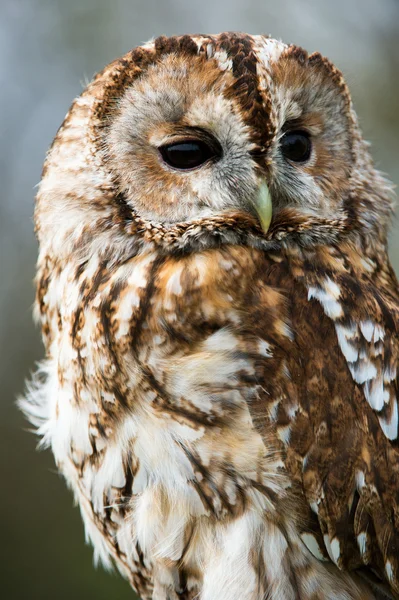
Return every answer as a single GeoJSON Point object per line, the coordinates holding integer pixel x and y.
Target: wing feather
{"type": "Point", "coordinates": [344, 315]}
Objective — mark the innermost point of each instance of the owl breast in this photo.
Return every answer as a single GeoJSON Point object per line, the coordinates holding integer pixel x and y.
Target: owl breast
{"type": "Point", "coordinates": [150, 378]}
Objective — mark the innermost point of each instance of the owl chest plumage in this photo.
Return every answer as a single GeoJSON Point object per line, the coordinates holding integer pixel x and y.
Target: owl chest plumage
{"type": "Point", "coordinates": [173, 394]}
{"type": "Point", "coordinates": [150, 422]}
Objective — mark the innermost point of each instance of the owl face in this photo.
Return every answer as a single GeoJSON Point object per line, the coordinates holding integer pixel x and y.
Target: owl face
{"type": "Point", "coordinates": [178, 146]}
{"type": "Point", "coordinates": [195, 135]}
{"type": "Point", "coordinates": [192, 130]}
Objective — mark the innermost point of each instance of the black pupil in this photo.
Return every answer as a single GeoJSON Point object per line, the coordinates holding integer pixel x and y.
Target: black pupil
{"type": "Point", "coordinates": [296, 146]}
{"type": "Point", "coordinates": [186, 155]}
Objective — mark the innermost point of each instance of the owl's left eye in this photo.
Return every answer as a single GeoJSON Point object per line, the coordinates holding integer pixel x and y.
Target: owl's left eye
{"type": "Point", "coordinates": [188, 154]}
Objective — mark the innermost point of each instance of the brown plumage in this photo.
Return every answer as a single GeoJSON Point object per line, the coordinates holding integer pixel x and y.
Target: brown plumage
{"type": "Point", "coordinates": [221, 393]}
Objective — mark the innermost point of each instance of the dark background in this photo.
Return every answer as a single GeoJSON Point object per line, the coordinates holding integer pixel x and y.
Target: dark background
{"type": "Point", "coordinates": [48, 49]}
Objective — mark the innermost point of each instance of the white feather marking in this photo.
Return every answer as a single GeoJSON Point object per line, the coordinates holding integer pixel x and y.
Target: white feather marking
{"type": "Point", "coordinates": [390, 426]}
{"type": "Point", "coordinates": [362, 372]}
{"type": "Point", "coordinates": [284, 434]}
{"type": "Point", "coordinates": [389, 570]}
{"type": "Point", "coordinates": [312, 545]}
{"type": "Point", "coordinates": [273, 408]}
{"type": "Point", "coordinates": [225, 63]}
{"type": "Point", "coordinates": [185, 432]}
{"type": "Point", "coordinates": [287, 331]}
{"type": "Point", "coordinates": [332, 288]}
{"type": "Point", "coordinates": [362, 542]}
{"type": "Point", "coordinates": [331, 306]}
{"type": "Point", "coordinates": [328, 547]}
{"type": "Point", "coordinates": [210, 49]}
{"type": "Point", "coordinates": [315, 507]}
{"type": "Point", "coordinates": [292, 410]}
{"type": "Point", "coordinates": [360, 480]}
{"type": "Point", "coordinates": [268, 50]}
{"type": "Point", "coordinates": [335, 550]}
{"type": "Point", "coordinates": [367, 329]}
{"type": "Point", "coordinates": [225, 264]}
{"type": "Point", "coordinates": [349, 351]}
{"type": "Point", "coordinates": [374, 392]}
{"type": "Point", "coordinates": [368, 264]}
{"type": "Point", "coordinates": [390, 374]}
{"type": "Point", "coordinates": [264, 348]}
{"type": "Point", "coordinates": [173, 285]}
{"type": "Point", "coordinates": [222, 340]}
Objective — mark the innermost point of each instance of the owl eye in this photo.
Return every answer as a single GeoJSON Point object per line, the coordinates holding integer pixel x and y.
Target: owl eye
{"type": "Point", "coordinates": [296, 146]}
{"type": "Point", "coordinates": [188, 154]}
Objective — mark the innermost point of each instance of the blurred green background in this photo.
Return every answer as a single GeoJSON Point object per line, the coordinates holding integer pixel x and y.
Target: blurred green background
{"type": "Point", "coordinates": [47, 49]}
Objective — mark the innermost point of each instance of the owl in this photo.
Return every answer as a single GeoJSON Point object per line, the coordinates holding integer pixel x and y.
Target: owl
{"type": "Point", "coordinates": [220, 318]}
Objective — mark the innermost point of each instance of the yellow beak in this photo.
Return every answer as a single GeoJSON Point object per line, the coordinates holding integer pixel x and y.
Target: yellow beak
{"type": "Point", "coordinates": [263, 206]}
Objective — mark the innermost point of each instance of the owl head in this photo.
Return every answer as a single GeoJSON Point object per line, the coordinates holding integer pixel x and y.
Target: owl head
{"type": "Point", "coordinates": [208, 139]}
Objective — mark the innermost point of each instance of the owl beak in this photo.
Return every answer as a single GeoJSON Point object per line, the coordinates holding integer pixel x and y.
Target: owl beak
{"type": "Point", "coordinates": [263, 206]}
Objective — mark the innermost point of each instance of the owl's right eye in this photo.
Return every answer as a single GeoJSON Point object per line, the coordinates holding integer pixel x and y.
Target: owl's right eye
{"type": "Point", "coordinates": [188, 154]}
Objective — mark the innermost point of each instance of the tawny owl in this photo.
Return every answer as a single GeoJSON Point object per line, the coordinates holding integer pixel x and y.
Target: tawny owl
{"type": "Point", "coordinates": [221, 325]}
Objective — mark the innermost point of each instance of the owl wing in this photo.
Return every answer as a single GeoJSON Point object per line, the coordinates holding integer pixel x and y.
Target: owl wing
{"type": "Point", "coordinates": [344, 434]}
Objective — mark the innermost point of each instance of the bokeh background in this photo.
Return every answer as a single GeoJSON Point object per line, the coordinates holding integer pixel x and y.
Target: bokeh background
{"type": "Point", "coordinates": [48, 48]}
